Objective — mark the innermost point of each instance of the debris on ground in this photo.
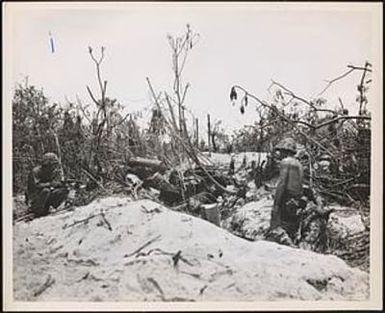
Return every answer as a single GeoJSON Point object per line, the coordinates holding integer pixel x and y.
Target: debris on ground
{"type": "Point", "coordinates": [165, 256]}
{"type": "Point", "coordinates": [240, 206]}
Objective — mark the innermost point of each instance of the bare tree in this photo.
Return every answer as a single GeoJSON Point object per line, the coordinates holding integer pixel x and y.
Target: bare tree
{"type": "Point", "coordinates": [180, 48]}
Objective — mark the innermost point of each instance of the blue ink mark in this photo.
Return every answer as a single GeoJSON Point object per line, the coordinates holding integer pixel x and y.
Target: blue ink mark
{"type": "Point", "coordinates": [51, 42]}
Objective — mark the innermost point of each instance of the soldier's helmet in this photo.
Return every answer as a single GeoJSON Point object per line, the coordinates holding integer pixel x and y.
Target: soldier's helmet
{"type": "Point", "coordinates": [287, 144]}
{"type": "Point", "coordinates": [325, 157]}
{"type": "Point", "coordinates": [50, 158]}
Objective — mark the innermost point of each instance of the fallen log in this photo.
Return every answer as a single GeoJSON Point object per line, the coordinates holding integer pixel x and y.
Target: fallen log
{"type": "Point", "coordinates": [156, 165]}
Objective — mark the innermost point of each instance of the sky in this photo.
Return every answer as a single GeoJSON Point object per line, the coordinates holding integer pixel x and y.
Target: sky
{"type": "Point", "coordinates": [244, 44]}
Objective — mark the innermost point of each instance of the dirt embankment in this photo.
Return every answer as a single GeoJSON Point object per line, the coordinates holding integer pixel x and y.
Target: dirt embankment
{"type": "Point", "coordinates": [118, 250]}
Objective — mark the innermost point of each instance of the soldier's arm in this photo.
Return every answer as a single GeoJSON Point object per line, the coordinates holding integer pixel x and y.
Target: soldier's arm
{"type": "Point", "coordinates": [279, 195]}
{"type": "Point", "coordinates": [55, 182]}
{"type": "Point", "coordinates": [282, 181]}
{"type": "Point", "coordinates": [33, 179]}
{"type": "Point", "coordinates": [57, 179]}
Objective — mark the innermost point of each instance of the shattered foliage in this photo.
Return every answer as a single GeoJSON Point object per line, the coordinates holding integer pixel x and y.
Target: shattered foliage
{"type": "Point", "coordinates": [164, 163]}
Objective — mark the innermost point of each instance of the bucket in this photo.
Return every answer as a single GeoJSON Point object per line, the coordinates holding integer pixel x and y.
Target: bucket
{"type": "Point", "coordinates": [210, 213]}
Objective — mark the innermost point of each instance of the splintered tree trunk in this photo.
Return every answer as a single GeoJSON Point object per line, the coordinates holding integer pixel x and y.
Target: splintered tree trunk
{"type": "Point", "coordinates": [197, 131]}
{"type": "Point", "coordinates": [59, 155]}
{"type": "Point", "coordinates": [208, 133]}
{"type": "Point", "coordinates": [214, 143]}
{"type": "Point", "coordinates": [183, 130]}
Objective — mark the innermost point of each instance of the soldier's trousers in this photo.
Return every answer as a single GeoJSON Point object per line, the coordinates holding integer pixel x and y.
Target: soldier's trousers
{"type": "Point", "coordinates": [285, 222]}
{"type": "Point", "coordinates": [45, 198]}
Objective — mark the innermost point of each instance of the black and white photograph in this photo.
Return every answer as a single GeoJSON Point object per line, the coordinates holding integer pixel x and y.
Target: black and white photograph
{"type": "Point", "coordinates": [189, 156]}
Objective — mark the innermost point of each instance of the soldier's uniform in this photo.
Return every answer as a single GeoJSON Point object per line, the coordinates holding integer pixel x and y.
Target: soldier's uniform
{"type": "Point", "coordinates": [287, 200]}
{"type": "Point", "coordinates": [44, 189]}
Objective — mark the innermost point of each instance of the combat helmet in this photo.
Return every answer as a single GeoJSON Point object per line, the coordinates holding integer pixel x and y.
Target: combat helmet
{"type": "Point", "coordinates": [325, 157]}
{"type": "Point", "coordinates": [287, 144]}
{"type": "Point", "coordinates": [50, 158]}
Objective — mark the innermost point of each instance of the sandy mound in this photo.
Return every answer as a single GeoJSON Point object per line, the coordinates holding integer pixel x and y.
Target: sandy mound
{"type": "Point", "coordinates": [142, 251]}
{"type": "Point", "coordinates": [252, 220]}
{"type": "Point", "coordinates": [344, 222]}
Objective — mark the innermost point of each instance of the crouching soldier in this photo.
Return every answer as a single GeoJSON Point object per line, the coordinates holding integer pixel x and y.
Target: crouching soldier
{"type": "Point", "coordinates": [314, 218]}
{"type": "Point", "coordinates": [284, 222]}
{"type": "Point", "coordinates": [44, 188]}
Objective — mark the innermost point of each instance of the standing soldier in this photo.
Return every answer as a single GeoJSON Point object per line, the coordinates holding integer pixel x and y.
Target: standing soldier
{"type": "Point", "coordinates": [284, 219]}
{"type": "Point", "coordinates": [44, 189]}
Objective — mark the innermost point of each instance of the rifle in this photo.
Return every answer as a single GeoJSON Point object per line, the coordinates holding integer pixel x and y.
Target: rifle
{"type": "Point", "coordinates": [68, 183]}
{"type": "Point", "coordinates": [73, 183]}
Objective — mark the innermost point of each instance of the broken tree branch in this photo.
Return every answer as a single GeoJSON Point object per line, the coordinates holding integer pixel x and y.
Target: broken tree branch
{"type": "Point", "coordinates": [352, 68]}
{"type": "Point", "coordinates": [48, 283]}
{"type": "Point", "coordinates": [92, 96]}
{"type": "Point", "coordinates": [83, 110]}
{"type": "Point", "coordinates": [143, 246]}
{"type": "Point", "coordinates": [93, 179]}
{"type": "Point", "coordinates": [294, 96]}
{"type": "Point", "coordinates": [341, 118]}
{"type": "Point", "coordinates": [81, 221]}
{"type": "Point", "coordinates": [106, 221]}
{"type": "Point", "coordinates": [275, 110]}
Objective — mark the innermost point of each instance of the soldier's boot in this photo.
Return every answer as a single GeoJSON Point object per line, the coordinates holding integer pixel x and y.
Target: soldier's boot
{"type": "Point", "coordinates": [279, 235]}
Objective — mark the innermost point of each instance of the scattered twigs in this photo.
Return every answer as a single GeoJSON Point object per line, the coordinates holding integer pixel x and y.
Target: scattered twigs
{"type": "Point", "coordinates": [143, 246]}
{"type": "Point", "coordinates": [81, 221]}
{"type": "Point", "coordinates": [344, 182]}
{"type": "Point", "coordinates": [85, 276]}
{"type": "Point", "coordinates": [26, 217]}
{"type": "Point", "coordinates": [175, 256]}
{"type": "Point", "coordinates": [48, 283]}
{"type": "Point", "coordinates": [149, 211]}
{"type": "Point", "coordinates": [87, 262]}
{"type": "Point", "coordinates": [93, 179]}
{"type": "Point", "coordinates": [106, 221]}
{"type": "Point", "coordinates": [340, 118]}
{"type": "Point", "coordinates": [157, 286]}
